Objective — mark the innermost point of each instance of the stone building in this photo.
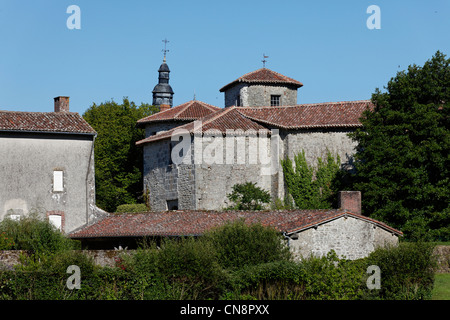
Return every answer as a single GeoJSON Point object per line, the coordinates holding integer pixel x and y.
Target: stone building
{"type": "Point", "coordinates": [262, 87]}
{"type": "Point", "coordinates": [194, 153]}
{"type": "Point", "coordinates": [307, 232]}
{"type": "Point", "coordinates": [47, 166]}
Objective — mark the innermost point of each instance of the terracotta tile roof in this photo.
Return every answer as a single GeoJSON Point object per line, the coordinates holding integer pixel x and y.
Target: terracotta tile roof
{"type": "Point", "coordinates": [184, 223]}
{"type": "Point", "coordinates": [264, 76]}
{"type": "Point", "coordinates": [218, 122]}
{"type": "Point", "coordinates": [191, 110]}
{"type": "Point", "coordinates": [55, 122]}
{"type": "Point", "coordinates": [316, 115]}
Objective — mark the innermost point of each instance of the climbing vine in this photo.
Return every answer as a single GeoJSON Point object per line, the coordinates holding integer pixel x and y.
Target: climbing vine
{"type": "Point", "coordinates": [311, 187]}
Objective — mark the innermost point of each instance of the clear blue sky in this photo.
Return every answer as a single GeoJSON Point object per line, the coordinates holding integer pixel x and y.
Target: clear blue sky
{"type": "Point", "coordinates": [324, 44]}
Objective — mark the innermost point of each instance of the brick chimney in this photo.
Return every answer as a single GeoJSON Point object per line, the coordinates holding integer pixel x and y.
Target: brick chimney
{"type": "Point", "coordinates": [164, 107]}
{"type": "Point", "coordinates": [350, 200]}
{"type": "Point", "coordinates": [61, 104]}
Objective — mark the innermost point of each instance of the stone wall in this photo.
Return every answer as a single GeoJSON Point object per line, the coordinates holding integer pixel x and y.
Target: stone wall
{"type": "Point", "coordinates": [316, 142]}
{"type": "Point", "coordinates": [10, 258]}
{"type": "Point", "coordinates": [251, 95]}
{"type": "Point", "coordinates": [165, 181]}
{"type": "Point", "coordinates": [27, 165]}
{"type": "Point", "coordinates": [240, 162]}
{"type": "Point", "coordinates": [349, 237]}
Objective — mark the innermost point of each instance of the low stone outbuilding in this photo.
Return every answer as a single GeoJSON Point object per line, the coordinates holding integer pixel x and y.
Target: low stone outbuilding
{"type": "Point", "coordinates": [345, 230]}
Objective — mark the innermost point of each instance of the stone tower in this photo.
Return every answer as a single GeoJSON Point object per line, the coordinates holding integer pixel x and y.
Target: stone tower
{"type": "Point", "coordinates": [163, 93]}
{"type": "Point", "coordinates": [262, 87]}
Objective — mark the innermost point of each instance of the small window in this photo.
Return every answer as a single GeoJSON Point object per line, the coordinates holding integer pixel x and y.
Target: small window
{"type": "Point", "coordinates": [55, 220]}
{"type": "Point", "coordinates": [58, 181]}
{"type": "Point", "coordinates": [14, 217]}
{"type": "Point", "coordinates": [172, 204]}
{"type": "Point", "coordinates": [274, 100]}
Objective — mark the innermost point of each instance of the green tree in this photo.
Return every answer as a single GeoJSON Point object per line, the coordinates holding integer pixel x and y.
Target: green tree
{"type": "Point", "coordinates": [402, 159]}
{"type": "Point", "coordinates": [310, 187]}
{"type": "Point", "coordinates": [118, 161]}
{"type": "Point", "coordinates": [247, 196]}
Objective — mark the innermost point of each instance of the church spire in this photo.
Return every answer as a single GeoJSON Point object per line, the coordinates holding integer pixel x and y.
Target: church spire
{"type": "Point", "coordinates": [163, 93]}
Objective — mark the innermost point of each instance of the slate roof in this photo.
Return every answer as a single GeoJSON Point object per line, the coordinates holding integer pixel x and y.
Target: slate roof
{"type": "Point", "coordinates": [218, 122]}
{"type": "Point", "coordinates": [185, 223]}
{"type": "Point", "coordinates": [50, 122]}
{"type": "Point", "coordinates": [315, 115]}
{"type": "Point", "coordinates": [263, 76]}
{"type": "Point", "coordinates": [187, 111]}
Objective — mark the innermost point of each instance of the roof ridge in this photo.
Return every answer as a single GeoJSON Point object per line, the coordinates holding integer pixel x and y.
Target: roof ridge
{"type": "Point", "coordinates": [220, 113]}
{"type": "Point", "coordinates": [182, 109]}
{"type": "Point", "coordinates": [306, 104]}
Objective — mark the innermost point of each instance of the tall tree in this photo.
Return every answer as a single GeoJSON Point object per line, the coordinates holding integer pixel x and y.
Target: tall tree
{"type": "Point", "coordinates": [403, 154]}
{"type": "Point", "coordinates": [118, 162]}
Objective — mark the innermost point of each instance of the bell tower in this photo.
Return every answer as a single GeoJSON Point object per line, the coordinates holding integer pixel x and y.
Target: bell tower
{"type": "Point", "coordinates": [163, 93]}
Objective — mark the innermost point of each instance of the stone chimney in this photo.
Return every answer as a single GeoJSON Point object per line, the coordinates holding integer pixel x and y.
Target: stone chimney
{"type": "Point", "coordinates": [61, 104]}
{"type": "Point", "coordinates": [164, 107]}
{"type": "Point", "coordinates": [350, 200]}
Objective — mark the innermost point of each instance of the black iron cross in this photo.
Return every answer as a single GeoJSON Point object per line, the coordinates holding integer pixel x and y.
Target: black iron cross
{"type": "Point", "coordinates": [165, 48]}
{"type": "Point", "coordinates": [264, 60]}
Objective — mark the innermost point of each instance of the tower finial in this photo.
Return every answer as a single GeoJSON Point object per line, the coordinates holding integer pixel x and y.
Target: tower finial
{"type": "Point", "coordinates": [264, 60]}
{"type": "Point", "coordinates": [165, 50]}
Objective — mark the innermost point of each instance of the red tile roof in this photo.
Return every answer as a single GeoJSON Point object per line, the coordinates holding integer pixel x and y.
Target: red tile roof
{"type": "Point", "coordinates": [190, 110]}
{"type": "Point", "coordinates": [55, 122]}
{"type": "Point", "coordinates": [315, 115]}
{"type": "Point", "coordinates": [218, 122]}
{"type": "Point", "coordinates": [184, 223]}
{"type": "Point", "coordinates": [263, 76]}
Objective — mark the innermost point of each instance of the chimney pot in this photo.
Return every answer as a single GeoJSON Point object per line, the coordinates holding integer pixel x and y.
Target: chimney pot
{"type": "Point", "coordinates": [350, 200]}
{"type": "Point", "coordinates": [61, 104]}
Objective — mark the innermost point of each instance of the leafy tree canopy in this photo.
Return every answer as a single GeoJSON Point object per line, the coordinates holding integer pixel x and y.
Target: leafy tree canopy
{"type": "Point", "coordinates": [402, 160]}
{"type": "Point", "coordinates": [118, 162]}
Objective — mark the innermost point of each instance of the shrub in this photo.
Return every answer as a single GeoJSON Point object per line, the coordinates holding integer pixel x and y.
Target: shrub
{"type": "Point", "coordinates": [247, 196]}
{"type": "Point", "coordinates": [238, 244]}
{"type": "Point", "coordinates": [272, 280]}
{"type": "Point", "coordinates": [407, 271]}
{"type": "Point", "coordinates": [134, 207]}
{"type": "Point", "coordinates": [30, 233]}
{"type": "Point", "coordinates": [191, 265]}
{"type": "Point", "coordinates": [6, 243]}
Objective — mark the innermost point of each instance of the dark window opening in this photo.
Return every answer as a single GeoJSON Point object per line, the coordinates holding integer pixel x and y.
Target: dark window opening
{"type": "Point", "coordinates": [274, 100]}
{"type": "Point", "coordinates": [172, 204]}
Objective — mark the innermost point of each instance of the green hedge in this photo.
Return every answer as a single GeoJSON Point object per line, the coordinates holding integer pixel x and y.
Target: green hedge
{"type": "Point", "coordinates": [195, 268]}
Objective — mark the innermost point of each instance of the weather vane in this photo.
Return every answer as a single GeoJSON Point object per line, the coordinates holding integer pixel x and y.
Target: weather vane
{"type": "Point", "coordinates": [264, 60]}
{"type": "Point", "coordinates": [165, 50]}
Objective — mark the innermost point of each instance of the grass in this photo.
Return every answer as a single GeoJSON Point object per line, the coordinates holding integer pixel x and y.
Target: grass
{"type": "Point", "coordinates": [441, 290]}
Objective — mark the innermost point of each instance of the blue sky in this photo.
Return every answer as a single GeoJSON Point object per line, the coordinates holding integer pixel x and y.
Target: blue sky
{"type": "Point", "coordinates": [324, 44]}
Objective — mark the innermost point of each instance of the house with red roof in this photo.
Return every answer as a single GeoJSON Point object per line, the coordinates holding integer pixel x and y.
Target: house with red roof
{"type": "Point", "coordinates": [47, 166]}
{"type": "Point", "coordinates": [194, 153]}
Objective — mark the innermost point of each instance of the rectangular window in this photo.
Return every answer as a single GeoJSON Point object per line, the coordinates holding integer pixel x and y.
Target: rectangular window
{"type": "Point", "coordinates": [56, 220]}
{"type": "Point", "coordinates": [274, 100]}
{"type": "Point", "coordinates": [58, 181]}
